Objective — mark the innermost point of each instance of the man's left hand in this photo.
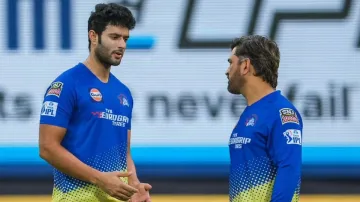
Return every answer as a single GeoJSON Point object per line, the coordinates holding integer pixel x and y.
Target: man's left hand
{"type": "Point", "coordinates": [143, 195]}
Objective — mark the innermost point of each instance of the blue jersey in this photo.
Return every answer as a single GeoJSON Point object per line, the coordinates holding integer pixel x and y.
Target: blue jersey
{"type": "Point", "coordinates": [265, 150]}
{"type": "Point", "coordinates": [97, 117]}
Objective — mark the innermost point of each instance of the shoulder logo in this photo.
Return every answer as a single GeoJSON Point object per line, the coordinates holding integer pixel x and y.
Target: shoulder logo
{"type": "Point", "coordinates": [55, 89]}
{"type": "Point", "coordinates": [288, 115]}
{"type": "Point", "coordinates": [293, 136]}
{"type": "Point", "coordinates": [123, 100]}
{"type": "Point", "coordinates": [96, 95]}
{"type": "Point", "coordinates": [49, 108]}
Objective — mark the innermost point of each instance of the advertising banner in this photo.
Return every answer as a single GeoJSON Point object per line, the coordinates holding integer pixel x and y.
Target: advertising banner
{"type": "Point", "coordinates": [175, 67]}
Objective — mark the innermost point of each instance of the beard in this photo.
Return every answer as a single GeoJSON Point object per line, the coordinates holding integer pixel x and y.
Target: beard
{"type": "Point", "coordinates": [235, 85]}
{"type": "Point", "coordinates": [103, 55]}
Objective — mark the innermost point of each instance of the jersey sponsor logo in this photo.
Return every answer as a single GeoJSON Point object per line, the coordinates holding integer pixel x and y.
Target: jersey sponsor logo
{"type": "Point", "coordinates": [55, 89]}
{"type": "Point", "coordinates": [49, 108]}
{"type": "Point", "coordinates": [251, 121]}
{"type": "Point", "coordinates": [96, 95]}
{"type": "Point", "coordinates": [238, 141]}
{"type": "Point", "coordinates": [123, 100]}
{"type": "Point", "coordinates": [117, 119]}
{"type": "Point", "coordinates": [288, 115]}
{"type": "Point", "coordinates": [293, 136]}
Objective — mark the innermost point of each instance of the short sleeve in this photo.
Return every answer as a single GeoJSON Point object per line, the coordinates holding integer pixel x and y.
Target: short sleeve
{"type": "Point", "coordinates": [58, 103]}
{"type": "Point", "coordinates": [285, 140]}
{"type": "Point", "coordinates": [131, 100]}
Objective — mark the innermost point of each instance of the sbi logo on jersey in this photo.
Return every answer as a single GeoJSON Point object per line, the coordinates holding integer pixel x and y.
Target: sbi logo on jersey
{"type": "Point", "coordinates": [293, 136]}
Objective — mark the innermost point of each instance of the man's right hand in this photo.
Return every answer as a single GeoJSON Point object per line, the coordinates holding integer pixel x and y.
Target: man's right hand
{"type": "Point", "coordinates": [111, 183]}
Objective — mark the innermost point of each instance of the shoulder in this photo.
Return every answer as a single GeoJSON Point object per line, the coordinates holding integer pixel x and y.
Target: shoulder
{"type": "Point", "coordinates": [285, 112]}
{"type": "Point", "coordinates": [121, 86]}
{"type": "Point", "coordinates": [70, 75]}
{"type": "Point", "coordinates": [286, 121]}
{"type": "Point", "coordinates": [65, 81]}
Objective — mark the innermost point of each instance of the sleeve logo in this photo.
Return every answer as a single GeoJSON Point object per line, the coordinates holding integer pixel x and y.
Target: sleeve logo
{"type": "Point", "coordinates": [293, 136]}
{"type": "Point", "coordinates": [55, 89]}
{"type": "Point", "coordinates": [288, 115]}
{"type": "Point", "coordinates": [49, 108]}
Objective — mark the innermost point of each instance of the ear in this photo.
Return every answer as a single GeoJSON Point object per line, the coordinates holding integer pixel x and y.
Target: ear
{"type": "Point", "coordinates": [245, 67]}
{"type": "Point", "coordinates": [93, 37]}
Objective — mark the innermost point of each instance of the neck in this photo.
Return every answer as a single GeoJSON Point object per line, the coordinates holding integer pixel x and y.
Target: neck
{"type": "Point", "coordinates": [254, 92]}
{"type": "Point", "coordinates": [101, 71]}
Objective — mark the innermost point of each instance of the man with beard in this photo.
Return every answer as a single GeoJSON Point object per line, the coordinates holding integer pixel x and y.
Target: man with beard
{"type": "Point", "coordinates": [85, 122]}
{"type": "Point", "coordinates": [265, 145]}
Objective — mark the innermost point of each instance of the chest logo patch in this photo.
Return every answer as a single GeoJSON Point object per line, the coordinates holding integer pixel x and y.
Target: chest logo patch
{"type": "Point", "coordinates": [96, 95]}
{"type": "Point", "coordinates": [123, 100]}
{"type": "Point", "coordinates": [251, 121]}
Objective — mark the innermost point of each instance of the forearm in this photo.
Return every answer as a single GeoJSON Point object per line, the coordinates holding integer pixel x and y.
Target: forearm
{"type": "Point", "coordinates": [64, 161]}
{"type": "Point", "coordinates": [287, 184]}
{"type": "Point", "coordinates": [133, 179]}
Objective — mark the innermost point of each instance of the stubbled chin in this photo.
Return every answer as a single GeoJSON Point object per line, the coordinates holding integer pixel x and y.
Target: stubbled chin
{"type": "Point", "coordinates": [115, 62]}
{"type": "Point", "coordinates": [233, 91]}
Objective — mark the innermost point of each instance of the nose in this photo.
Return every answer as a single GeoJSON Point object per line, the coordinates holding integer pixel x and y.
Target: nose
{"type": "Point", "coordinates": [227, 72]}
{"type": "Point", "coordinates": [122, 43]}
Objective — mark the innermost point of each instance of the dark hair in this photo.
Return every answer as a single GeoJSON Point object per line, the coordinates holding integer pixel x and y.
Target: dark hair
{"type": "Point", "coordinates": [110, 14]}
{"type": "Point", "coordinates": [263, 53]}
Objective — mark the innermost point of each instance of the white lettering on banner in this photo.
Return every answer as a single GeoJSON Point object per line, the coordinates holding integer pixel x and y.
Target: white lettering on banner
{"type": "Point", "coordinates": [192, 105]}
{"type": "Point", "coordinates": [199, 16]}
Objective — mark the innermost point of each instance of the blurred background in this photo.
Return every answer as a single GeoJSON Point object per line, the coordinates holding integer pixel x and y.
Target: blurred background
{"type": "Point", "coordinates": [183, 115]}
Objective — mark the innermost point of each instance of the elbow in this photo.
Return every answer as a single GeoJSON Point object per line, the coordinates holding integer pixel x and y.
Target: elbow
{"type": "Point", "coordinates": [292, 164]}
{"type": "Point", "coordinates": [45, 151]}
{"type": "Point", "coordinates": [291, 169]}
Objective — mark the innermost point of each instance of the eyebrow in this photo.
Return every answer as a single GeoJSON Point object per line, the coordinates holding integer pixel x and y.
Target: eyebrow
{"type": "Point", "coordinates": [116, 34]}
